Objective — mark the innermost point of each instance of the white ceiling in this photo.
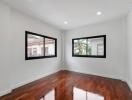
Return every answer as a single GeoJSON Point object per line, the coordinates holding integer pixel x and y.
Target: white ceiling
{"type": "Point", "coordinates": [76, 12]}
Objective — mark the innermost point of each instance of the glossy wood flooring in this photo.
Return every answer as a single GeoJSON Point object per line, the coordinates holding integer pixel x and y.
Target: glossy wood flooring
{"type": "Point", "coordinates": [63, 83]}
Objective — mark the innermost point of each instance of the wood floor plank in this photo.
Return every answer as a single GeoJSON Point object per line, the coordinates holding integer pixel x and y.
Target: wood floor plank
{"type": "Point", "coordinates": [64, 81]}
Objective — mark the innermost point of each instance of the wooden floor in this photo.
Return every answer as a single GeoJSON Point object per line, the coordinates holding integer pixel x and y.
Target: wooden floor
{"type": "Point", "coordinates": [63, 83]}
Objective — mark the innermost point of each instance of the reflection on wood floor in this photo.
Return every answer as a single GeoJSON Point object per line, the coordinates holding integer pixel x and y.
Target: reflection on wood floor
{"type": "Point", "coordinates": [79, 94]}
{"type": "Point", "coordinates": [49, 96]}
{"type": "Point", "coordinates": [67, 85]}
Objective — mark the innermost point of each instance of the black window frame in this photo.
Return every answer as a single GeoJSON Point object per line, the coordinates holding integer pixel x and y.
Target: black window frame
{"type": "Point", "coordinates": [38, 57]}
{"type": "Point", "coordinates": [94, 56]}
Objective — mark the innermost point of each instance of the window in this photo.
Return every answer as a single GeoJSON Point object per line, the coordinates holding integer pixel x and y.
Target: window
{"type": "Point", "coordinates": [89, 47]}
{"type": "Point", "coordinates": [39, 46]}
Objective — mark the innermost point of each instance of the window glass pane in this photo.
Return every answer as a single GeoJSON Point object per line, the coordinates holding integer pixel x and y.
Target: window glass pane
{"type": "Point", "coordinates": [49, 47]}
{"type": "Point", "coordinates": [80, 46]}
{"type": "Point", "coordinates": [95, 46]}
{"type": "Point", "coordinates": [35, 45]}
{"type": "Point", "coordinates": [90, 46]}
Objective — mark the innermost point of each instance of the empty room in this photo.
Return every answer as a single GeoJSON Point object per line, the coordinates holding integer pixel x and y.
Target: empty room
{"type": "Point", "coordinates": [66, 49]}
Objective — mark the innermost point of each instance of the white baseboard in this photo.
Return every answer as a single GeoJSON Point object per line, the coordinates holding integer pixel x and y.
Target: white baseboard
{"type": "Point", "coordinates": [5, 92]}
{"type": "Point", "coordinates": [24, 83]}
{"type": "Point", "coordinates": [31, 80]}
{"type": "Point", "coordinates": [98, 74]}
{"type": "Point", "coordinates": [129, 83]}
{"type": "Point", "coordinates": [28, 81]}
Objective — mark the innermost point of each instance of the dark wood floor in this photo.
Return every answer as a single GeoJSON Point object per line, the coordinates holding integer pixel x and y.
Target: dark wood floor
{"type": "Point", "coordinates": [63, 83]}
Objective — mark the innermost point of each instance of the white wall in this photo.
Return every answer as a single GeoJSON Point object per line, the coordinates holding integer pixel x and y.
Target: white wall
{"type": "Point", "coordinates": [114, 65]}
{"type": "Point", "coordinates": [129, 48]}
{"type": "Point", "coordinates": [14, 70]}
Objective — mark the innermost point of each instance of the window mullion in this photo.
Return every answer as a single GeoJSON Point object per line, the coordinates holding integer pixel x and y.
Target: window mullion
{"type": "Point", "coordinates": [87, 47]}
{"type": "Point", "coordinates": [44, 46]}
